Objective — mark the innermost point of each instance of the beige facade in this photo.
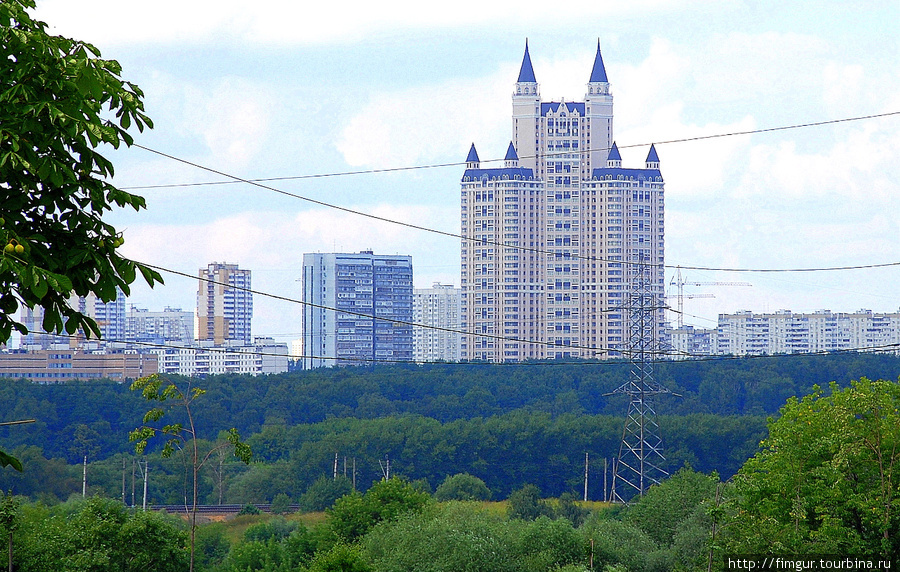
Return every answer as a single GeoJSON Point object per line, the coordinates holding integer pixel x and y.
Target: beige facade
{"type": "Point", "coordinates": [224, 304]}
{"type": "Point", "coordinates": [556, 237]}
{"type": "Point", "coordinates": [61, 365]}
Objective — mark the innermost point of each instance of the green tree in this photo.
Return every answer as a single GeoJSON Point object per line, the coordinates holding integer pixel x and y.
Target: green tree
{"type": "Point", "coordinates": [340, 558]}
{"type": "Point", "coordinates": [663, 509]}
{"type": "Point", "coordinates": [166, 392]}
{"type": "Point", "coordinates": [826, 479]}
{"type": "Point", "coordinates": [9, 513]}
{"type": "Point", "coordinates": [462, 486]}
{"type": "Point", "coordinates": [281, 504]}
{"type": "Point", "coordinates": [98, 535]}
{"type": "Point", "coordinates": [526, 504]}
{"type": "Point", "coordinates": [59, 101]}
{"type": "Point", "coordinates": [324, 492]}
{"type": "Point", "coordinates": [355, 514]}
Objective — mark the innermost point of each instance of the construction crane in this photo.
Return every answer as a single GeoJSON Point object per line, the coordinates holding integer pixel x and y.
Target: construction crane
{"type": "Point", "coordinates": [678, 281]}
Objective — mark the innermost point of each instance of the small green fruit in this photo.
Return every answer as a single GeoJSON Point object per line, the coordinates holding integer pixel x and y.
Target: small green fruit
{"type": "Point", "coordinates": [2, 221]}
{"type": "Point", "coordinates": [9, 248]}
{"type": "Point", "coordinates": [20, 249]}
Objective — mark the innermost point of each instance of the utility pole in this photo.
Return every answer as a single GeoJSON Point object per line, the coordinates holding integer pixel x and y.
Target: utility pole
{"type": "Point", "coordinates": [605, 497]}
{"type": "Point", "coordinates": [585, 475]}
{"type": "Point", "coordinates": [146, 479]}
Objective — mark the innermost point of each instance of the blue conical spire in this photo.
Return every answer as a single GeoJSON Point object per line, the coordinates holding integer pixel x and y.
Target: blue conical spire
{"type": "Point", "coordinates": [511, 154]}
{"type": "Point", "coordinates": [614, 154]}
{"type": "Point", "coordinates": [652, 157]}
{"type": "Point", "coordinates": [598, 74]}
{"type": "Point", "coordinates": [473, 156]}
{"type": "Point", "coordinates": [526, 73]}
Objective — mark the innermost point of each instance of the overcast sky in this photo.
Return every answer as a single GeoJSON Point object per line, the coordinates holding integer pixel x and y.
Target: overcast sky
{"type": "Point", "coordinates": [281, 89]}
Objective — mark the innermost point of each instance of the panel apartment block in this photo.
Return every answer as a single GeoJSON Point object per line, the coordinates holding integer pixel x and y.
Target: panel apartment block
{"type": "Point", "coordinates": [359, 309]}
{"type": "Point", "coordinates": [437, 309]}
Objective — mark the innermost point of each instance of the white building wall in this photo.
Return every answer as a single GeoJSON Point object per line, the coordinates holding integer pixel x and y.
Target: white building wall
{"type": "Point", "coordinates": [438, 307]}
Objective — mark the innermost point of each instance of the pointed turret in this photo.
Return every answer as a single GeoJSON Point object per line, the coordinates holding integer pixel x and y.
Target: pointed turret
{"type": "Point", "coordinates": [512, 158]}
{"type": "Point", "coordinates": [652, 158]}
{"type": "Point", "coordinates": [599, 83]}
{"type": "Point", "coordinates": [526, 72]}
{"type": "Point", "coordinates": [472, 160]}
{"type": "Point", "coordinates": [614, 161]}
{"type": "Point", "coordinates": [526, 85]}
{"type": "Point", "coordinates": [598, 74]}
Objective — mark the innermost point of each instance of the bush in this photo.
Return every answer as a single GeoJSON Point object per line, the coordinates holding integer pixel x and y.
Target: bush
{"type": "Point", "coordinates": [248, 509]}
{"type": "Point", "coordinates": [324, 492]}
{"type": "Point", "coordinates": [526, 504]}
{"type": "Point", "coordinates": [281, 504]}
{"type": "Point", "coordinates": [462, 486]}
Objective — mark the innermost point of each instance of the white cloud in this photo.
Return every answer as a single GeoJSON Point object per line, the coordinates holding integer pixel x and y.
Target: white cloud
{"type": "Point", "coordinates": [422, 124]}
{"type": "Point", "coordinates": [272, 244]}
{"type": "Point", "coordinates": [288, 22]}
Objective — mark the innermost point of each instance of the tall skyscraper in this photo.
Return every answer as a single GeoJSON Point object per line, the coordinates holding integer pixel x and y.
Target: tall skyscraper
{"type": "Point", "coordinates": [556, 235]}
{"type": "Point", "coordinates": [358, 309]}
{"type": "Point", "coordinates": [438, 307]}
{"type": "Point", "coordinates": [224, 304]}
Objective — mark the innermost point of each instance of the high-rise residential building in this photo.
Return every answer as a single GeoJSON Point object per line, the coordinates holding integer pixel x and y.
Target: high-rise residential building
{"type": "Point", "coordinates": [557, 235]}
{"type": "Point", "coordinates": [436, 313]}
{"type": "Point", "coordinates": [170, 325]}
{"type": "Point", "coordinates": [110, 318]}
{"type": "Point", "coordinates": [358, 308]}
{"type": "Point", "coordinates": [224, 304]}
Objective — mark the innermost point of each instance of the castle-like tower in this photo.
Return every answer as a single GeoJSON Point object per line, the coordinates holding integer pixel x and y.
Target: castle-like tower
{"type": "Point", "coordinates": [555, 236]}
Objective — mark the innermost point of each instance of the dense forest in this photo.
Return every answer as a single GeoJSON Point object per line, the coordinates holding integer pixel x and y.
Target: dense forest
{"type": "Point", "coordinates": [506, 424]}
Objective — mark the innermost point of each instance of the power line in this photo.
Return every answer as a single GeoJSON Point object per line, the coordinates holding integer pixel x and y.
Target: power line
{"type": "Point", "coordinates": [595, 350]}
{"type": "Point", "coordinates": [689, 358]}
{"type": "Point", "coordinates": [462, 163]}
{"type": "Point", "coordinates": [500, 244]}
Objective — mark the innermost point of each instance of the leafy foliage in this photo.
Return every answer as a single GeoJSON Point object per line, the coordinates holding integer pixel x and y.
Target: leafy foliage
{"type": "Point", "coordinates": [353, 515]}
{"type": "Point", "coordinates": [324, 492]}
{"type": "Point", "coordinates": [826, 478]}
{"type": "Point", "coordinates": [461, 536]}
{"type": "Point", "coordinates": [526, 504]}
{"type": "Point", "coordinates": [98, 535]}
{"type": "Point", "coordinates": [56, 99]}
{"type": "Point", "coordinates": [462, 486]}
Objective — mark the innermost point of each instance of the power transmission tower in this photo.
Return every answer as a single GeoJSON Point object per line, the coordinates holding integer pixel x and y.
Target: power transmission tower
{"type": "Point", "coordinates": [640, 460]}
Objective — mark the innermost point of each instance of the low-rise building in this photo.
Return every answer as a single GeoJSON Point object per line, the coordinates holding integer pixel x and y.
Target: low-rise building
{"type": "Point", "coordinates": [265, 355]}
{"type": "Point", "coordinates": [65, 364]}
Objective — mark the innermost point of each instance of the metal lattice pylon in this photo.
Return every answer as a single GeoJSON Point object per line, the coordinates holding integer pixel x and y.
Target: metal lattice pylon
{"type": "Point", "coordinates": [640, 459]}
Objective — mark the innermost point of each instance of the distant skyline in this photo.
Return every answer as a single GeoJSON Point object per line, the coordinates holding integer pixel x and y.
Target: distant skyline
{"type": "Point", "coordinates": [276, 89]}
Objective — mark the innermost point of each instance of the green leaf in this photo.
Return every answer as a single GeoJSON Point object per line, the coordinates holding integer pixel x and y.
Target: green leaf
{"type": "Point", "coordinates": [7, 460]}
{"type": "Point", "coordinates": [40, 286]}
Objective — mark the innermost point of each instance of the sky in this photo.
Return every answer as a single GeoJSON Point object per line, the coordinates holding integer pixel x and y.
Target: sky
{"type": "Point", "coordinates": [278, 88]}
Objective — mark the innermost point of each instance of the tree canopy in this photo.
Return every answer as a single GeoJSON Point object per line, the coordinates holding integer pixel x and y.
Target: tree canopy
{"type": "Point", "coordinates": [826, 479]}
{"type": "Point", "coordinates": [59, 102]}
